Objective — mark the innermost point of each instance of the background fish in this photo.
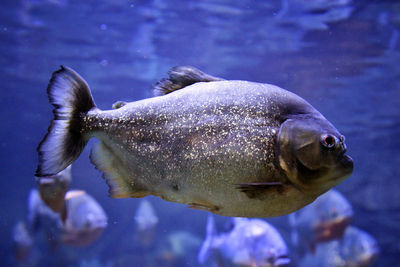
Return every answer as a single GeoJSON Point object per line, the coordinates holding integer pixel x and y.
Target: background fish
{"type": "Point", "coordinates": [43, 219]}
{"type": "Point", "coordinates": [251, 242]}
{"type": "Point", "coordinates": [355, 249]}
{"type": "Point", "coordinates": [52, 190]}
{"type": "Point", "coordinates": [145, 216]}
{"type": "Point", "coordinates": [86, 219]}
{"type": "Point", "coordinates": [178, 248]}
{"type": "Point", "coordinates": [235, 148]}
{"type": "Point", "coordinates": [146, 222]}
{"type": "Point", "coordinates": [22, 241]}
{"type": "Point", "coordinates": [323, 220]}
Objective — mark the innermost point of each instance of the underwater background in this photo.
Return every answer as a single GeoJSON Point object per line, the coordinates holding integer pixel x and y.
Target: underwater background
{"type": "Point", "coordinates": [340, 55]}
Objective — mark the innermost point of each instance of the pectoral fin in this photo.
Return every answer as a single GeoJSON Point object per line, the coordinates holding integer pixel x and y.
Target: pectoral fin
{"type": "Point", "coordinates": [204, 206]}
{"type": "Point", "coordinates": [260, 190]}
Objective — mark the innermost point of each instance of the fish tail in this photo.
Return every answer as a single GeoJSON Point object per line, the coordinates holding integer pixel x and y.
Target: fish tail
{"type": "Point", "coordinates": [70, 95]}
{"type": "Point", "coordinates": [207, 245]}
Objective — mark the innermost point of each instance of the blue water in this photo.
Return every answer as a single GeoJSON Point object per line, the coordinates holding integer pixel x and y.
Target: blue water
{"type": "Point", "coordinates": [341, 56]}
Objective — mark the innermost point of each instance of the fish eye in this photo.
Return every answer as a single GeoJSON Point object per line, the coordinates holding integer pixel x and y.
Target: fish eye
{"type": "Point", "coordinates": [334, 212]}
{"type": "Point", "coordinates": [328, 140]}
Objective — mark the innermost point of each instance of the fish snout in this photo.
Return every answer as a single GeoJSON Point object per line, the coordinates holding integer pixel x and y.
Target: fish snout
{"type": "Point", "coordinates": [346, 160]}
{"type": "Point", "coordinates": [342, 143]}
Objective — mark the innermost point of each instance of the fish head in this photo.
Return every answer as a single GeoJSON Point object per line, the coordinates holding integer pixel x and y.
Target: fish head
{"type": "Point", "coordinates": [312, 154]}
{"type": "Point", "coordinates": [333, 206]}
{"type": "Point", "coordinates": [325, 219]}
{"type": "Point", "coordinates": [273, 255]}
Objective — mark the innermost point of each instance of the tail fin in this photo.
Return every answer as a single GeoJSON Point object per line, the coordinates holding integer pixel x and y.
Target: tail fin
{"type": "Point", "coordinates": [70, 95]}
{"type": "Point", "coordinates": [208, 242]}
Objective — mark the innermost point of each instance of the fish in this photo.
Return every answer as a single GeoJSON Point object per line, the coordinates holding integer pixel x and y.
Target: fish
{"type": "Point", "coordinates": [356, 248]}
{"type": "Point", "coordinates": [84, 224]}
{"type": "Point", "coordinates": [86, 219]}
{"type": "Point", "coordinates": [251, 242]}
{"type": "Point", "coordinates": [42, 221]}
{"type": "Point", "coordinates": [145, 216]}
{"type": "Point", "coordinates": [52, 190]}
{"type": "Point", "coordinates": [359, 248]}
{"type": "Point", "coordinates": [230, 147]}
{"type": "Point", "coordinates": [178, 248]}
{"type": "Point", "coordinates": [323, 220]}
{"type": "Point", "coordinates": [22, 241]}
{"type": "Point", "coordinates": [146, 223]}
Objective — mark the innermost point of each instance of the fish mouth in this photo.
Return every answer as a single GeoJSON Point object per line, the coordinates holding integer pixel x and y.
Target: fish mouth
{"type": "Point", "coordinates": [368, 258]}
{"type": "Point", "coordinates": [346, 162]}
{"type": "Point", "coordinates": [282, 260]}
{"type": "Point", "coordinates": [343, 168]}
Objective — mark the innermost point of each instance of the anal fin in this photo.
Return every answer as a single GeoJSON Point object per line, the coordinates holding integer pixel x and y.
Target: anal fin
{"type": "Point", "coordinates": [118, 178]}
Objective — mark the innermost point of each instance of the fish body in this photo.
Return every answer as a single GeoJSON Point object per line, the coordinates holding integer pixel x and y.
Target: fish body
{"type": "Point", "coordinates": [52, 190]}
{"type": "Point", "coordinates": [42, 217]}
{"type": "Point", "coordinates": [323, 220]}
{"type": "Point", "coordinates": [178, 249]}
{"type": "Point", "coordinates": [146, 223]}
{"type": "Point", "coordinates": [235, 148]}
{"type": "Point", "coordinates": [251, 242]}
{"type": "Point", "coordinates": [180, 243]}
{"type": "Point", "coordinates": [22, 241]}
{"type": "Point", "coordinates": [86, 219]}
{"type": "Point", "coordinates": [145, 216]}
{"type": "Point", "coordinates": [356, 248]}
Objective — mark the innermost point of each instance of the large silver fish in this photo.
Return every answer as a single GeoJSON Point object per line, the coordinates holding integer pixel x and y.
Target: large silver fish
{"type": "Point", "coordinates": [235, 148]}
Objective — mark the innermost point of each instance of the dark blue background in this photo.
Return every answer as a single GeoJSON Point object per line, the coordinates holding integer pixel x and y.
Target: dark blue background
{"type": "Point", "coordinates": [343, 59]}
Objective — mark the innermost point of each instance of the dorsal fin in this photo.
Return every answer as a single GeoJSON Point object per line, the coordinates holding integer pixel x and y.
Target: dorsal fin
{"type": "Point", "coordinates": [180, 77]}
